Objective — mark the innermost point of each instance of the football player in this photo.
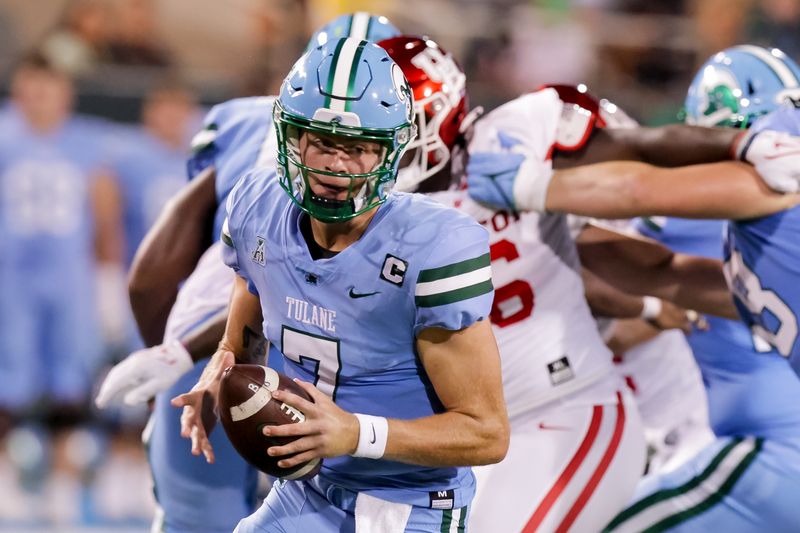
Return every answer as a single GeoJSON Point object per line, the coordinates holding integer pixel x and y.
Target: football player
{"type": "Point", "coordinates": [752, 392]}
{"type": "Point", "coordinates": [717, 486]}
{"type": "Point", "coordinates": [59, 221]}
{"type": "Point", "coordinates": [185, 326]}
{"type": "Point", "coordinates": [371, 297]}
{"type": "Point", "coordinates": [577, 449]}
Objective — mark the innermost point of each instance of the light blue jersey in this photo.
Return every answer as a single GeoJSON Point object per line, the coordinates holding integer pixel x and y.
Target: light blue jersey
{"type": "Point", "coordinates": [747, 478]}
{"type": "Point", "coordinates": [49, 338]}
{"type": "Point", "coordinates": [149, 174]}
{"type": "Point", "coordinates": [762, 258]}
{"type": "Point", "coordinates": [194, 496]}
{"type": "Point", "coordinates": [237, 136]}
{"type": "Point", "coordinates": [349, 323]}
{"type": "Point", "coordinates": [750, 391]}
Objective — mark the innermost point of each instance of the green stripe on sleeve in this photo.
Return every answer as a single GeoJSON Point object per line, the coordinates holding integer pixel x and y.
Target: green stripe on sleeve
{"type": "Point", "coordinates": [454, 269]}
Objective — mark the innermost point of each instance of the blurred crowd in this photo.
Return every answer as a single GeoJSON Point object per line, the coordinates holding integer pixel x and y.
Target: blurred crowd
{"type": "Point", "coordinates": [103, 97]}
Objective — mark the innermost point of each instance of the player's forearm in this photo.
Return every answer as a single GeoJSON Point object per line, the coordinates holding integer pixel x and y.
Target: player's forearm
{"type": "Point", "coordinates": [699, 283]}
{"type": "Point", "coordinates": [607, 301]}
{"type": "Point", "coordinates": [678, 144]}
{"type": "Point", "coordinates": [243, 330]}
{"type": "Point", "coordinates": [627, 334]}
{"type": "Point", "coordinates": [168, 254]}
{"type": "Point", "coordinates": [626, 189]}
{"type": "Point", "coordinates": [602, 190]}
{"type": "Point", "coordinates": [448, 439]}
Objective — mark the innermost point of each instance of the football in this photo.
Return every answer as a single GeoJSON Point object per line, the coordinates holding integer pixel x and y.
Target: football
{"type": "Point", "coordinates": [246, 406]}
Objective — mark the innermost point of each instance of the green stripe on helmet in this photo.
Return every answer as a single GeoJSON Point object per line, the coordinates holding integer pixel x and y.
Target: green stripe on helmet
{"type": "Point", "coordinates": [332, 72]}
{"type": "Point", "coordinates": [353, 74]}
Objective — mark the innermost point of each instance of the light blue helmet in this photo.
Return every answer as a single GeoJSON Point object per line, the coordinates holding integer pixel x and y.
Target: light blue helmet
{"type": "Point", "coordinates": [351, 88]}
{"type": "Point", "coordinates": [359, 25]}
{"type": "Point", "coordinates": [739, 84]}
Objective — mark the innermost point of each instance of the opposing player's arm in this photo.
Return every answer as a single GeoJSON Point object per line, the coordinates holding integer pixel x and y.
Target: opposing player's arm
{"type": "Point", "coordinates": [605, 300]}
{"type": "Point", "coordinates": [677, 144]}
{"type": "Point", "coordinates": [642, 266]}
{"type": "Point", "coordinates": [668, 146]}
{"type": "Point", "coordinates": [629, 333]}
{"type": "Point", "coordinates": [169, 253]}
{"type": "Point", "coordinates": [625, 189]}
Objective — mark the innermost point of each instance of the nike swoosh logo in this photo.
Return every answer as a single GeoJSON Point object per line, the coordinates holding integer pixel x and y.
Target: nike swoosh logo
{"type": "Point", "coordinates": [373, 434]}
{"type": "Point", "coordinates": [354, 294]}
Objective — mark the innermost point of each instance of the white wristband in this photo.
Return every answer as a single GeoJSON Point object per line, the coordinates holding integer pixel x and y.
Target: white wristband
{"type": "Point", "coordinates": [651, 307]}
{"type": "Point", "coordinates": [373, 431]}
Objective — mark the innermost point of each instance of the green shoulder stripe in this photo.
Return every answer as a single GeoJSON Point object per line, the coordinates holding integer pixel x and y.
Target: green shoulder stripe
{"type": "Point", "coordinates": [225, 234]}
{"type": "Point", "coordinates": [448, 271]}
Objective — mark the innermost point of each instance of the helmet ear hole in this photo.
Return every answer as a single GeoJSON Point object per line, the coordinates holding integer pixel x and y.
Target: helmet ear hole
{"type": "Point", "coordinates": [750, 89]}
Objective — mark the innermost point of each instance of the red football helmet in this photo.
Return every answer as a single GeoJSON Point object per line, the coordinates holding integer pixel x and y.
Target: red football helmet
{"type": "Point", "coordinates": [440, 102]}
{"type": "Point", "coordinates": [583, 113]}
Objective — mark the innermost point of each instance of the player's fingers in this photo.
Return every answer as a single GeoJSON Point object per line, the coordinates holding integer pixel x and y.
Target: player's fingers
{"type": "Point", "coordinates": [188, 421]}
{"type": "Point", "coordinates": [298, 459]}
{"type": "Point", "coordinates": [697, 320]}
{"type": "Point", "coordinates": [305, 444]}
{"type": "Point", "coordinates": [291, 430]}
{"type": "Point", "coordinates": [295, 401]}
{"type": "Point", "coordinates": [312, 391]}
{"type": "Point", "coordinates": [199, 439]}
{"type": "Point", "coordinates": [190, 398]}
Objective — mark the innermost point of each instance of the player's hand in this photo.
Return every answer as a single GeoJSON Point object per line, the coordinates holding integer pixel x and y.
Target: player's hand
{"type": "Point", "coordinates": [509, 178]}
{"type": "Point", "coordinates": [673, 317]}
{"type": "Point", "coordinates": [143, 374]}
{"type": "Point", "coordinates": [775, 155]}
{"type": "Point", "coordinates": [199, 405]}
{"type": "Point", "coordinates": [327, 431]}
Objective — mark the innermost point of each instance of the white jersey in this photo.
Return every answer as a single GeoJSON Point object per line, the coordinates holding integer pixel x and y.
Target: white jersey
{"type": "Point", "coordinates": [549, 344]}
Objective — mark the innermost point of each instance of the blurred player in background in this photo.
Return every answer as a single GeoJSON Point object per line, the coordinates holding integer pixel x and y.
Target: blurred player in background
{"type": "Point", "coordinates": [150, 163]}
{"type": "Point", "coordinates": [237, 136]}
{"type": "Point", "coordinates": [59, 220]}
{"type": "Point", "coordinates": [733, 480]}
{"type": "Point", "coordinates": [752, 393]}
{"type": "Point", "coordinates": [407, 303]}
